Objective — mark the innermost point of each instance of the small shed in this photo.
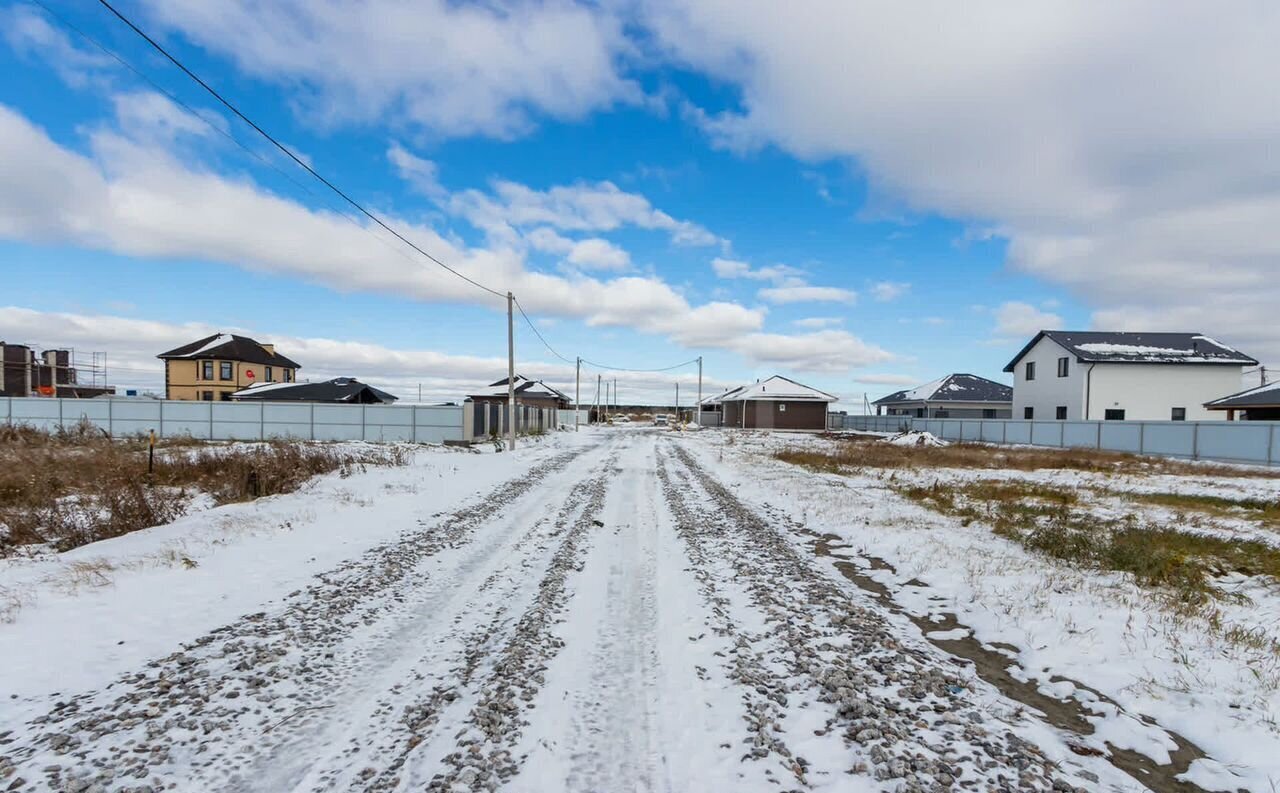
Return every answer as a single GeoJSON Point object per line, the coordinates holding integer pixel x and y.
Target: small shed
{"type": "Point", "coordinates": [1261, 403]}
{"type": "Point", "coordinates": [777, 403]}
{"type": "Point", "coordinates": [341, 390]}
{"type": "Point", "coordinates": [954, 396]}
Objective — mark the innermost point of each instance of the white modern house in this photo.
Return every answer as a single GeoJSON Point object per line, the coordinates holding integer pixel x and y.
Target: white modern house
{"type": "Point", "coordinates": [1073, 375]}
{"type": "Point", "coordinates": [956, 396]}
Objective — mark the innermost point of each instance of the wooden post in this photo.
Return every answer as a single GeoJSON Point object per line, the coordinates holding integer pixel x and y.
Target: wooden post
{"type": "Point", "coordinates": [511, 375]}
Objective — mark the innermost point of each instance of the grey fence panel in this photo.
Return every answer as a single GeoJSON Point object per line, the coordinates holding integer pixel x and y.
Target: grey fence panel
{"type": "Point", "coordinates": [1122, 436]}
{"type": "Point", "coordinates": [42, 414]}
{"type": "Point", "coordinates": [971, 430]}
{"type": "Point", "coordinates": [1233, 441]}
{"type": "Point", "coordinates": [1018, 432]}
{"type": "Point", "coordinates": [170, 419]}
{"type": "Point", "coordinates": [286, 420]}
{"type": "Point", "coordinates": [993, 432]}
{"type": "Point", "coordinates": [236, 422]}
{"type": "Point", "coordinates": [1046, 433]}
{"type": "Point", "coordinates": [136, 417]}
{"type": "Point", "coordinates": [1080, 434]}
{"type": "Point", "coordinates": [712, 418]}
{"type": "Point", "coordinates": [1173, 439]}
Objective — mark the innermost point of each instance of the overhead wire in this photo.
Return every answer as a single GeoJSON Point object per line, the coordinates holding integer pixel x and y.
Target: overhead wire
{"type": "Point", "coordinates": [288, 152]}
{"type": "Point", "coordinates": [309, 169]}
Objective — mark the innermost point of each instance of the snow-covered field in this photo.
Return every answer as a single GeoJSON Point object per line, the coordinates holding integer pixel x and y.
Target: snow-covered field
{"type": "Point", "coordinates": [611, 610]}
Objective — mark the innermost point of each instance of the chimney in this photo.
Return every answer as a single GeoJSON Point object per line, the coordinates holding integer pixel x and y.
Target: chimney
{"type": "Point", "coordinates": [270, 348]}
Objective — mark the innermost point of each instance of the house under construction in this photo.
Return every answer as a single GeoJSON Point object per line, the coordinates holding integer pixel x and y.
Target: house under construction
{"type": "Point", "coordinates": [53, 373]}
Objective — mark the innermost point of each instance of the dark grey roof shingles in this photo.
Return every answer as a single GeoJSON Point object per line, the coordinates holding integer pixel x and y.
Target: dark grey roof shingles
{"type": "Point", "coordinates": [957, 388]}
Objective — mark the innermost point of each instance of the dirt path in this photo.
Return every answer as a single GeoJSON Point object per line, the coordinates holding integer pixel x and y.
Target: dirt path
{"type": "Point", "coordinates": [616, 620]}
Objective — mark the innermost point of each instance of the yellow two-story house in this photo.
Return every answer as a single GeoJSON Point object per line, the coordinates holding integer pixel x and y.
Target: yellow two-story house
{"type": "Point", "coordinates": [214, 368]}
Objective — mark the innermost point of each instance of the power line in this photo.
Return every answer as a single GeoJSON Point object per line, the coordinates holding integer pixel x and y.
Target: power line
{"type": "Point", "coordinates": [287, 151]}
{"type": "Point", "coordinates": [224, 133]}
{"type": "Point", "coordinates": [689, 362]}
{"type": "Point", "coordinates": [538, 333]}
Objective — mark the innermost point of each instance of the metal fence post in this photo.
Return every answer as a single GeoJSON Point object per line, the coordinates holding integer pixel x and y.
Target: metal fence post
{"type": "Point", "coordinates": [62, 422]}
{"type": "Point", "coordinates": [262, 421]}
{"type": "Point", "coordinates": [1195, 441]}
{"type": "Point", "coordinates": [1271, 447]}
{"type": "Point", "coordinates": [210, 418]}
{"type": "Point", "coordinates": [1004, 432]}
{"type": "Point", "coordinates": [1098, 443]}
{"type": "Point", "coordinates": [313, 421]}
{"type": "Point", "coordinates": [364, 429]}
{"type": "Point", "coordinates": [111, 427]}
{"type": "Point", "coordinates": [1142, 438]}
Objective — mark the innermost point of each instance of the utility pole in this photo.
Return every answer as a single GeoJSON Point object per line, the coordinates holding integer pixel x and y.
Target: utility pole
{"type": "Point", "coordinates": [615, 395]}
{"type": "Point", "coordinates": [699, 407]}
{"type": "Point", "coordinates": [677, 402]}
{"type": "Point", "coordinates": [599, 379]}
{"type": "Point", "coordinates": [577, 392]}
{"type": "Point", "coordinates": [511, 375]}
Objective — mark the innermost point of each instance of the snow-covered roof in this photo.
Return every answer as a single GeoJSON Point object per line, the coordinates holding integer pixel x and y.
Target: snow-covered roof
{"type": "Point", "coordinates": [718, 398]}
{"type": "Point", "coordinates": [1259, 396]}
{"type": "Point", "coordinates": [778, 389]}
{"type": "Point", "coordinates": [1116, 347]}
{"type": "Point", "coordinates": [230, 347]}
{"type": "Point", "coordinates": [954, 388]}
{"type": "Point", "coordinates": [524, 387]}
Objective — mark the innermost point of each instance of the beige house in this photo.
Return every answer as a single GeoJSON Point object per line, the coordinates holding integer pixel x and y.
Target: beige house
{"type": "Point", "coordinates": [216, 367]}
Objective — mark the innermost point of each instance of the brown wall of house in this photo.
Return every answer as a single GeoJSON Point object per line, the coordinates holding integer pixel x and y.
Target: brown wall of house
{"type": "Point", "coordinates": [764, 415]}
{"type": "Point", "coordinates": [183, 378]}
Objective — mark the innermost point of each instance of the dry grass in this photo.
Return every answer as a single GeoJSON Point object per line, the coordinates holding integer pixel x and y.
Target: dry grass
{"type": "Point", "coordinates": [1252, 509]}
{"type": "Point", "coordinates": [853, 452]}
{"type": "Point", "coordinates": [1180, 564]}
{"type": "Point", "coordinates": [75, 487]}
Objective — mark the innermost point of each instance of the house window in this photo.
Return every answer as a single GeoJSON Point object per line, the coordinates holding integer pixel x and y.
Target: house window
{"type": "Point", "coordinates": [224, 370]}
{"type": "Point", "coordinates": [266, 373]}
{"type": "Point", "coordinates": [919, 413]}
{"type": "Point", "coordinates": [1062, 413]}
{"type": "Point", "coordinates": [782, 407]}
{"type": "Point", "coordinates": [988, 413]}
{"type": "Point", "coordinates": [941, 414]}
{"type": "Point", "coordinates": [206, 370]}
{"type": "Point", "coordinates": [206, 396]}
{"type": "Point", "coordinates": [1031, 370]}
{"type": "Point", "coordinates": [1114, 415]}
{"type": "Point", "coordinates": [225, 396]}
{"type": "Point", "coordinates": [1064, 367]}
{"type": "Point", "coordinates": [288, 375]}
{"type": "Point", "coordinates": [1179, 414]}
{"type": "Point", "coordinates": [1028, 413]}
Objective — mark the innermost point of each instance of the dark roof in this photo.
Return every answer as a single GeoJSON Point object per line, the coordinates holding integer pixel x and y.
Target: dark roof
{"type": "Point", "coordinates": [525, 387]}
{"type": "Point", "coordinates": [1110, 347]}
{"type": "Point", "coordinates": [1263, 396]}
{"type": "Point", "coordinates": [230, 347]}
{"type": "Point", "coordinates": [953, 388]}
{"type": "Point", "coordinates": [339, 389]}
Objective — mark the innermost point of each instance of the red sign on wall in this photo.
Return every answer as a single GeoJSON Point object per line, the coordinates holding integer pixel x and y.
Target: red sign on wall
{"type": "Point", "coordinates": [248, 373]}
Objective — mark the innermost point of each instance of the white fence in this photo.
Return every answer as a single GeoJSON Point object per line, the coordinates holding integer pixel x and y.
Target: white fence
{"type": "Point", "coordinates": [242, 421]}
{"type": "Point", "coordinates": [1255, 442]}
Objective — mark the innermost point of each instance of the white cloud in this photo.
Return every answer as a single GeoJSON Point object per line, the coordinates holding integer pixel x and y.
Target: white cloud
{"type": "Point", "coordinates": [817, 323]}
{"type": "Point", "coordinates": [448, 68]}
{"type": "Point", "coordinates": [1125, 150]}
{"type": "Point", "coordinates": [807, 294]}
{"type": "Point", "coordinates": [589, 254]}
{"type": "Point", "coordinates": [583, 206]}
{"type": "Point", "coordinates": [828, 351]}
{"type": "Point", "coordinates": [30, 34]}
{"type": "Point", "coordinates": [779, 274]}
{"type": "Point", "coordinates": [132, 344]}
{"type": "Point", "coordinates": [1016, 320]}
{"type": "Point", "coordinates": [136, 200]}
{"type": "Point", "coordinates": [423, 175]}
{"type": "Point", "coordinates": [885, 291]}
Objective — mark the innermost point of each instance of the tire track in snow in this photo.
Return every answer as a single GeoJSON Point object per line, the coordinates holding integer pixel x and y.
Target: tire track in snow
{"type": "Point", "coordinates": [900, 710]}
{"type": "Point", "coordinates": [225, 699]}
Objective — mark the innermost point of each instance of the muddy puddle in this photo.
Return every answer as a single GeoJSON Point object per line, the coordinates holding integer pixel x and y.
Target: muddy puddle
{"type": "Point", "coordinates": [993, 662]}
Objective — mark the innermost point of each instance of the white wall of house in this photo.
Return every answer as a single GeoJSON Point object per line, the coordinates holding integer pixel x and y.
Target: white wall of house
{"type": "Point", "coordinates": [1144, 391]}
{"type": "Point", "coordinates": [1150, 391]}
{"type": "Point", "coordinates": [1047, 392]}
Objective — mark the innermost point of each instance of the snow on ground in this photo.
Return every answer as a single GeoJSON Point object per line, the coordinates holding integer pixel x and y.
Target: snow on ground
{"type": "Point", "coordinates": [617, 609]}
{"type": "Point", "coordinates": [1094, 628]}
{"type": "Point", "coordinates": [126, 600]}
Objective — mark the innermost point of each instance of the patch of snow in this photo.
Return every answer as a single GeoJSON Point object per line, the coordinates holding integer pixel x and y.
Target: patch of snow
{"type": "Point", "coordinates": [915, 438]}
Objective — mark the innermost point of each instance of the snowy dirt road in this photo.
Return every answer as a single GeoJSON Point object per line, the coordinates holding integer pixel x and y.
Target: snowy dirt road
{"type": "Point", "coordinates": [615, 619]}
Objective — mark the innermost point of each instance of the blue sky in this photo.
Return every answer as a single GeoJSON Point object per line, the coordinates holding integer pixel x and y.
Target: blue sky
{"type": "Point", "coordinates": [654, 183]}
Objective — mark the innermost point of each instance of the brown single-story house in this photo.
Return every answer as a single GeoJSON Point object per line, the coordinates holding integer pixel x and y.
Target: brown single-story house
{"type": "Point", "coordinates": [776, 404]}
{"type": "Point", "coordinates": [533, 393]}
{"type": "Point", "coordinates": [1261, 403]}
